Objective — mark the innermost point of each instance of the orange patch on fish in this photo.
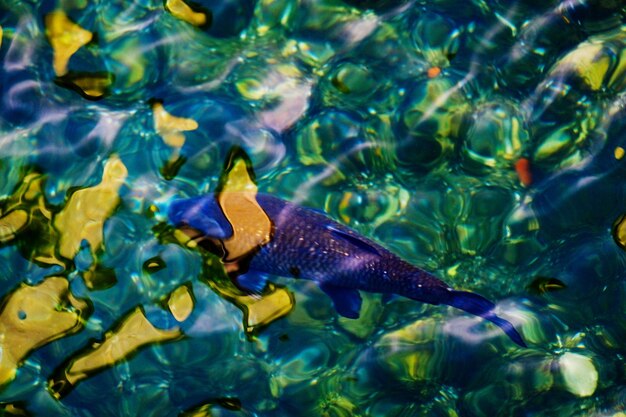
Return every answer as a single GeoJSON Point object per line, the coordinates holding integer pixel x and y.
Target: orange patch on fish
{"type": "Point", "coordinates": [252, 228]}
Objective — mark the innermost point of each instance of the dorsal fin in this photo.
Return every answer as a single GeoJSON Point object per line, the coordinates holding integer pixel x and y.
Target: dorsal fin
{"type": "Point", "coordinates": [353, 240]}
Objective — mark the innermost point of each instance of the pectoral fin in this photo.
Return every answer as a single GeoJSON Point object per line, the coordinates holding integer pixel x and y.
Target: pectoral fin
{"type": "Point", "coordinates": [347, 301]}
{"type": "Point", "coordinates": [251, 281]}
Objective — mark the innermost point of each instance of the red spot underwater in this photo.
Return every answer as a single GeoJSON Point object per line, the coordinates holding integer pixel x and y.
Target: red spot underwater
{"type": "Point", "coordinates": [522, 167]}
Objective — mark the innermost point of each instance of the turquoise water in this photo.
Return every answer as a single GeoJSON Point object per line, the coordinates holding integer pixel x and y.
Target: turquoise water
{"type": "Point", "coordinates": [481, 140]}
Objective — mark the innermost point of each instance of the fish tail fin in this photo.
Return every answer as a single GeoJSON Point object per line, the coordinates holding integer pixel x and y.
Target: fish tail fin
{"type": "Point", "coordinates": [480, 306]}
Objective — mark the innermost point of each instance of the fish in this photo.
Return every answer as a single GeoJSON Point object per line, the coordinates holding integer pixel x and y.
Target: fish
{"type": "Point", "coordinates": [541, 285]}
{"type": "Point", "coordinates": [304, 243]}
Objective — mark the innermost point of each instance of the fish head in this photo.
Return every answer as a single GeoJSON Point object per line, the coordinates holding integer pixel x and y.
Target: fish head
{"type": "Point", "coordinates": [202, 214]}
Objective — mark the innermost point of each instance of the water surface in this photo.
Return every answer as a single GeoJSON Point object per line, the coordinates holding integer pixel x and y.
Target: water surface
{"type": "Point", "coordinates": [481, 140]}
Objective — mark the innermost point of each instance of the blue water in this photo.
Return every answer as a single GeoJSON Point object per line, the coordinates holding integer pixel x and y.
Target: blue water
{"type": "Point", "coordinates": [482, 141]}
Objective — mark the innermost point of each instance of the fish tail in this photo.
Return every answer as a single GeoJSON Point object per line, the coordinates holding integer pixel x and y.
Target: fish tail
{"type": "Point", "coordinates": [480, 306]}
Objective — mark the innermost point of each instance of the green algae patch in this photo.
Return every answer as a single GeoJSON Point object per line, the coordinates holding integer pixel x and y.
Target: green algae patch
{"type": "Point", "coordinates": [181, 302]}
{"type": "Point", "coordinates": [92, 86]}
{"type": "Point", "coordinates": [66, 37]}
{"type": "Point", "coordinates": [170, 127]}
{"type": "Point", "coordinates": [33, 316]}
{"type": "Point", "coordinates": [181, 10]}
{"type": "Point", "coordinates": [133, 333]}
{"type": "Point", "coordinates": [579, 374]}
{"type": "Point", "coordinates": [87, 209]}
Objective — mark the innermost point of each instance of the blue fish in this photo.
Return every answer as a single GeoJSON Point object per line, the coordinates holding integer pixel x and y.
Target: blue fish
{"type": "Point", "coordinates": [307, 244]}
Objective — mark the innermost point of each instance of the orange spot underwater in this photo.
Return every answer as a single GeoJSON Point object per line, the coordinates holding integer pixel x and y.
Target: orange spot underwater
{"type": "Point", "coordinates": [433, 72]}
{"type": "Point", "coordinates": [522, 167]}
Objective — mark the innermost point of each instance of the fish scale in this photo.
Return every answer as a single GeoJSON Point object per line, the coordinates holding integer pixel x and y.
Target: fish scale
{"type": "Point", "coordinates": [308, 240]}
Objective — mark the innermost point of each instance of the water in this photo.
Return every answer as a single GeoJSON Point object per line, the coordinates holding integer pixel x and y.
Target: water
{"type": "Point", "coordinates": [481, 140]}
